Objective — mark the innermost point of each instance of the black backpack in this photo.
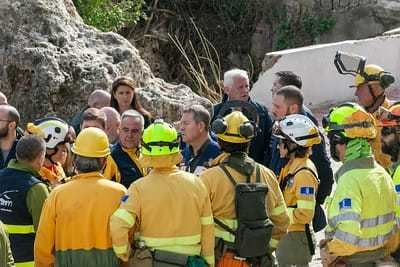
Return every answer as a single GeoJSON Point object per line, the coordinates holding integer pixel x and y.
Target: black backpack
{"type": "Point", "coordinates": [254, 230]}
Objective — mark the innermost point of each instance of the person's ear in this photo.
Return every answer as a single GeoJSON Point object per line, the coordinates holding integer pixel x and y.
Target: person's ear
{"type": "Point", "coordinates": [294, 109]}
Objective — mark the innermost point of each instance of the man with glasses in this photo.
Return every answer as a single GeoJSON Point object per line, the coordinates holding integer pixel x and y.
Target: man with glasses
{"type": "Point", "coordinates": [124, 166]}
{"type": "Point", "coordinates": [9, 119]}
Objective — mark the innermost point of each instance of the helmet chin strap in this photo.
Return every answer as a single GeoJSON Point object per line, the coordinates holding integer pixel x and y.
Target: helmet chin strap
{"type": "Point", "coordinates": [377, 100]}
{"type": "Point", "coordinates": [48, 156]}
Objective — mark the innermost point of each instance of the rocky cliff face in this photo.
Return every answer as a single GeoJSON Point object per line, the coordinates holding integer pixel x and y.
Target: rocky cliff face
{"type": "Point", "coordinates": [51, 61]}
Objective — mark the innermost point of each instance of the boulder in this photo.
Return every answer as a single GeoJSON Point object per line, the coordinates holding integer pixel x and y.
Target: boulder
{"type": "Point", "coordinates": [51, 61]}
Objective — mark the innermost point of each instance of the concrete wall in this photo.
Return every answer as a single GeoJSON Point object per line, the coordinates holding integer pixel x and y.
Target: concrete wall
{"type": "Point", "coordinates": [322, 84]}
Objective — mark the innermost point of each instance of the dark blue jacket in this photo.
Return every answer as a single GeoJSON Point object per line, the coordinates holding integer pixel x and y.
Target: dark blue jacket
{"type": "Point", "coordinates": [14, 186]}
{"type": "Point", "coordinates": [319, 157]}
{"type": "Point", "coordinates": [11, 155]}
{"type": "Point", "coordinates": [209, 150]}
{"type": "Point", "coordinates": [126, 166]}
{"type": "Point", "coordinates": [260, 145]}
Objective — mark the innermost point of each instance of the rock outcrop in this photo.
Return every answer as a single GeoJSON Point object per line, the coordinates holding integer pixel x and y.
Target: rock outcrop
{"type": "Point", "coordinates": [51, 61]}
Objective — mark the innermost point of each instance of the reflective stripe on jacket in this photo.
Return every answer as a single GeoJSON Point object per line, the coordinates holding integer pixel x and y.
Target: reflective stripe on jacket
{"type": "Point", "coordinates": [14, 186]}
{"type": "Point", "coordinates": [74, 225]}
{"type": "Point", "coordinates": [361, 213]}
{"type": "Point", "coordinates": [300, 192]}
{"type": "Point", "coordinates": [222, 195]}
{"type": "Point", "coordinates": [171, 210]}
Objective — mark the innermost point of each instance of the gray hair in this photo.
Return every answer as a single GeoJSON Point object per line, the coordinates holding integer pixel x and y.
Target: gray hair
{"type": "Point", "coordinates": [85, 164]}
{"type": "Point", "coordinates": [231, 74]}
{"type": "Point", "coordinates": [200, 114]}
{"type": "Point", "coordinates": [133, 114]}
{"type": "Point", "coordinates": [29, 147]}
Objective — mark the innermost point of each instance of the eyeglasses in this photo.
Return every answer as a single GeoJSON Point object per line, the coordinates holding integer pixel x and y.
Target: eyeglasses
{"type": "Point", "coordinates": [134, 131]}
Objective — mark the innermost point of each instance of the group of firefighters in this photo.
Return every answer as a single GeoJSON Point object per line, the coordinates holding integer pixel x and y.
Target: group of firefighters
{"type": "Point", "coordinates": [234, 211]}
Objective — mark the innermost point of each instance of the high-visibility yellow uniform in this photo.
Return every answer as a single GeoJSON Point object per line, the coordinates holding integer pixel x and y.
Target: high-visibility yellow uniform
{"type": "Point", "coordinates": [361, 212]}
{"type": "Point", "coordinates": [376, 143]}
{"type": "Point", "coordinates": [170, 209]}
{"type": "Point", "coordinates": [74, 225]}
{"type": "Point", "coordinates": [222, 195]}
{"type": "Point", "coordinates": [299, 193]}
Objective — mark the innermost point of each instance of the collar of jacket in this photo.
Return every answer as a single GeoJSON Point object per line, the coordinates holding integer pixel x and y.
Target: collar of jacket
{"type": "Point", "coordinates": [88, 175]}
{"type": "Point", "coordinates": [18, 165]}
{"type": "Point", "coordinates": [218, 160]}
{"type": "Point", "coordinates": [292, 166]}
{"type": "Point", "coordinates": [392, 169]}
{"type": "Point", "coordinates": [166, 162]}
{"type": "Point", "coordinates": [133, 152]}
{"type": "Point", "coordinates": [357, 148]}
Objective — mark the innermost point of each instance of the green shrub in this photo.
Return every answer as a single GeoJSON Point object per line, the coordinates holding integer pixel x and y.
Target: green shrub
{"type": "Point", "coordinates": [110, 15]}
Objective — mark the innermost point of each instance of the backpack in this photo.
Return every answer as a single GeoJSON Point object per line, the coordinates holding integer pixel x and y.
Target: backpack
{"type": "Point", "coordinates": [254, 230]}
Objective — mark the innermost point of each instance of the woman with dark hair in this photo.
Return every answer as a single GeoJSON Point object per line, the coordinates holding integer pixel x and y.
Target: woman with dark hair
{"type": "Point", "coordinates": [123, 97]}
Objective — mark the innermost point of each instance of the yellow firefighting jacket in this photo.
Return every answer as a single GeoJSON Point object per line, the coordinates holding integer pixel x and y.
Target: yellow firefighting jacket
{"type": "Point", "coordinates": [74, 222]}
{"type": "Point", "coordinates": [170, 209]}
{"type": "Point", "coordinates": [299, 192]}
{"type": "Point", "coordinates": [361, 212]}
{"type": "Point", "coordinates": [222, 195]}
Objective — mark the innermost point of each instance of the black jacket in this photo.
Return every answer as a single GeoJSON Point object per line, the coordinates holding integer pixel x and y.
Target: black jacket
{"type": "Point", "coordinates": [260, 145]}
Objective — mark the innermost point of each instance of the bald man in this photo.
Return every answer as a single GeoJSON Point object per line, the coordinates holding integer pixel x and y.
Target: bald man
{"type": "Point", "coordinates": [112, 123]}
{"type": "Point", "coordinates": [3, 99]}
{"type": "Point", "coordinates": [9, 119]}
{"type": "Point", "coordinates": [97, 99]}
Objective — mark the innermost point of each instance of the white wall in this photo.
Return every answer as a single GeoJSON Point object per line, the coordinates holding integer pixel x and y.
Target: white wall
{"type": "Point", "coordinates": [322, 83]}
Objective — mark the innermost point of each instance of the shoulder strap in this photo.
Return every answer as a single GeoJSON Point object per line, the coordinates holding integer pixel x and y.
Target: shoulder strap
{"type": "Point", "coordinates": [224, 226]}
{"type": "Point", "coordinates": [308, 169]}
{"type": "Point", "coordinates": [222, 166]}
{"type": "Point", "coordinates": [258, 175]}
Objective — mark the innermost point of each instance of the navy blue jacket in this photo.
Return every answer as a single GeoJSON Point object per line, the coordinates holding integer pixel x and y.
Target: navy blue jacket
{"type": "Point", "coordinates": [126, 166]}
{"type": "Point", "coordinates": [260, 145]}
{"type": "Point", "coordinates": [11, 155]}
{"type": "Point", "coordinates": [14, 186]}
{"type": "Point", "coordinates": [319, 157]}
{"type": "Point", "coordinates": [209, 150]}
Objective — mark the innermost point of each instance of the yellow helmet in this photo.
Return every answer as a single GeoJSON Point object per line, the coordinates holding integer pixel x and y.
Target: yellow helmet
{"type": "Point", "coordinates": [92, 143]}
{"type": "Point", "coordinates": [351, 120]}
{"type": "Point", "coordinates": [234, 128]}
{"type": "Point", "coordinates": [374, 74]}
{"type": "Point", "coordinates": [160, 139]}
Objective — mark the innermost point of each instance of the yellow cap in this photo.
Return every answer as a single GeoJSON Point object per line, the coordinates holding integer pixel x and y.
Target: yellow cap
{"type": "Point", "coordinates": [374, 73]}
{"type": "Point", "coordinates": [232, 133]}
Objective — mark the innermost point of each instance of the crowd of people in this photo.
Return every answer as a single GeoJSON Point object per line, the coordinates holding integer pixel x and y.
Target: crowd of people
{"type": "Point", "coordinates": [240, 186]}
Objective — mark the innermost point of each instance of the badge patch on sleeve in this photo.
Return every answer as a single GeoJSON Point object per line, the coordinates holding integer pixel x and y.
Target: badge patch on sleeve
{"type": "Point", "coordinates": [398, 188]}
{"type": "Point", "coordinates": [307, 190]}
{"type": "Point", "coordinates": [124, 198]}
{"type": "Point", "coordinates": [345, 203]}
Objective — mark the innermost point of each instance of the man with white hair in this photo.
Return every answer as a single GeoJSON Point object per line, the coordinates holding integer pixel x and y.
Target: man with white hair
{"type": "Point", "coordinates": [112, 124]}
{"type": "Point", "coordinates": [97, 99]}
{"type": "Point", "coordinates": [124, 166]}
{"type": "Point", "coordinates": [237, 87]}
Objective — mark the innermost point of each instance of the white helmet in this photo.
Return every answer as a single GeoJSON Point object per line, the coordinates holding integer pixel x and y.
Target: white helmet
{"type": "Point", "coordinates": [298, 129]}
{"type": "Point", "coordinates": [53, 130]}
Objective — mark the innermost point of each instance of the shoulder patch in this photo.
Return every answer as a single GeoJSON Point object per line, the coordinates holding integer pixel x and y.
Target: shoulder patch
{"type": "Point", "coordinates": [306, 190]}
{"type": "Point", "coordinates": [345, 203]}
{"type": "Point", "coordinates": [398, 188]}
{"type": "Point", "coordinates": [124, 198]}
